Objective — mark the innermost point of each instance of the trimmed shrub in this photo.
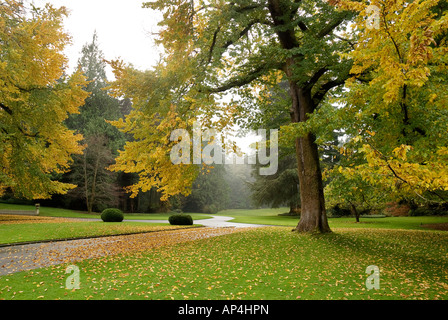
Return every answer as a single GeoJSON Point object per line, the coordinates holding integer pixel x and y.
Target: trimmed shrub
{"type": "Point", "coordinates": [180, 220]}
{"type": "Point", "coordinates": [112, 215]}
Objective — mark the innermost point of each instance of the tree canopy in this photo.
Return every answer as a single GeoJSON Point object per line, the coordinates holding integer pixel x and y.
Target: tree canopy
{"type": "Point", "coordinates": [395, 109]}
{"type": "Point", "coordinates": [36, 97]}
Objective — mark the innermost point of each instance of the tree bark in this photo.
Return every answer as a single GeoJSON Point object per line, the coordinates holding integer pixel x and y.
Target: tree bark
{"type": "Point", "coordinates": [313, 217]}
{"type": "Point", "coordinates": [86, 184]}
{"type": "Point", "coordinates": [93, 193]}
{"type": "Point", "coordinates": [355, 212]}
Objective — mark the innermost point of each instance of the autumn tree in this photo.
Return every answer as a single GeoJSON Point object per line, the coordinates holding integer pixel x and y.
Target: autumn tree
{"type": "Point", "coordinates": [222, 48]}
{"type": "Point", "coordinates": [395, 109]}
{"type": "Point", "coordinates": [36, 97]}
{"type": "Point", "coordinates": [283, 187]}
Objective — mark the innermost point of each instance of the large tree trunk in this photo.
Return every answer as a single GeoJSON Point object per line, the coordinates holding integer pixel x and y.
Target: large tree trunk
{"type": "Point", "coordinates": [355, 212]}
{"type": "Point", "coordinates": [313, 217]}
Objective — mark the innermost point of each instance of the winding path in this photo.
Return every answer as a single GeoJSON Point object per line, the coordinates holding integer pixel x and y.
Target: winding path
{"type": "Point", "coordinates": [214, 222]}
{"type": "Point", "coordinates": [33, 256]}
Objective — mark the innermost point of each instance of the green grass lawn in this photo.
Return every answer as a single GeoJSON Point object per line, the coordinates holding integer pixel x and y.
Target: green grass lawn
{"type": "Point", "coordinates": [260, 216]}
{"type": "Point", "coordinates": [65, 213]}
{"type": "Point", "coordinates": [48, 212]}
{"type": "Point", "coordinates": [271, 217]}
{"type": "Point", "coordinates": [257, 216]}
{"type": "Point", "coordinates": [32, 232]}
{"type": "Point", "coordinates": [42, 231]}
{"type": "Point", "coordinates": [270, 263]}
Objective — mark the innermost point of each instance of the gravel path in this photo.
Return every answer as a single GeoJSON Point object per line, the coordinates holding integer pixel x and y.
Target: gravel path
{"type": "Point", "coordinates": [32, 256]}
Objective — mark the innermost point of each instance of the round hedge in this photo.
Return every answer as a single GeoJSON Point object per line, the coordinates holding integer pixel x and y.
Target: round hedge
{"type": "Point", "coordinates": [112, 215]}
{"type": "Point", "coordinates": [180, 220]}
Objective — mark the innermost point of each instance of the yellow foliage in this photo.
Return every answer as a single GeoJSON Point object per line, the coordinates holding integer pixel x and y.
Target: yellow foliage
{"type": "Point", "coordinates": [149, 155]}
{"type": "Point", "coordinates": [396, 105]}
{"type": "Point", "coordinates": [35, 99]}
{"type": "Point", "coordinates": [400, 48]}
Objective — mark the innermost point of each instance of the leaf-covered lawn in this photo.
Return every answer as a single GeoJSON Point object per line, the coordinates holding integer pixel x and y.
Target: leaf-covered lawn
{"type": "Point", "coordinates": [267, 263]}
{"type": "Point", "coordinates": [17, 229]}
{"type": "Point", "coordinates": [23, 258]}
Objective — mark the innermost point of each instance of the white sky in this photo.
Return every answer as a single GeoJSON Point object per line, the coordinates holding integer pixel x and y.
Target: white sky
{"type": "Point", "coordinates": [124, 29]}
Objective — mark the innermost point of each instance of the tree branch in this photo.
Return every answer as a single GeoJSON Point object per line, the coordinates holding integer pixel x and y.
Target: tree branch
{"type": "Point", "coordinates": [240, 81]}
{"type": "Point", "coordinates": [246, 8]}
{"type": "Point", "coordinates": [319, 73]}
{"type": "Point", "coordinates": [330, 27]}
{"type": "Point", "coordinates": [10, 112]}
{"type": "Point", "coordinates": [302, 26]}
{"type": "Point", "coordinates": [386, 27]}
{"type": "Point", "coordinates": [287, 37]}
{"type": "Point", "coordinates": [320, 94]}
{"type": "Point", "coordinates": [241, 34]}
{"type": "Point", "coordinates": [29, 135]}
{"type": "Point", "coordinates": [352, 43]}
{"type": "Point", "coordinates": [6, 108]}
{"type": "Point", "coordinates": [215, 35]}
